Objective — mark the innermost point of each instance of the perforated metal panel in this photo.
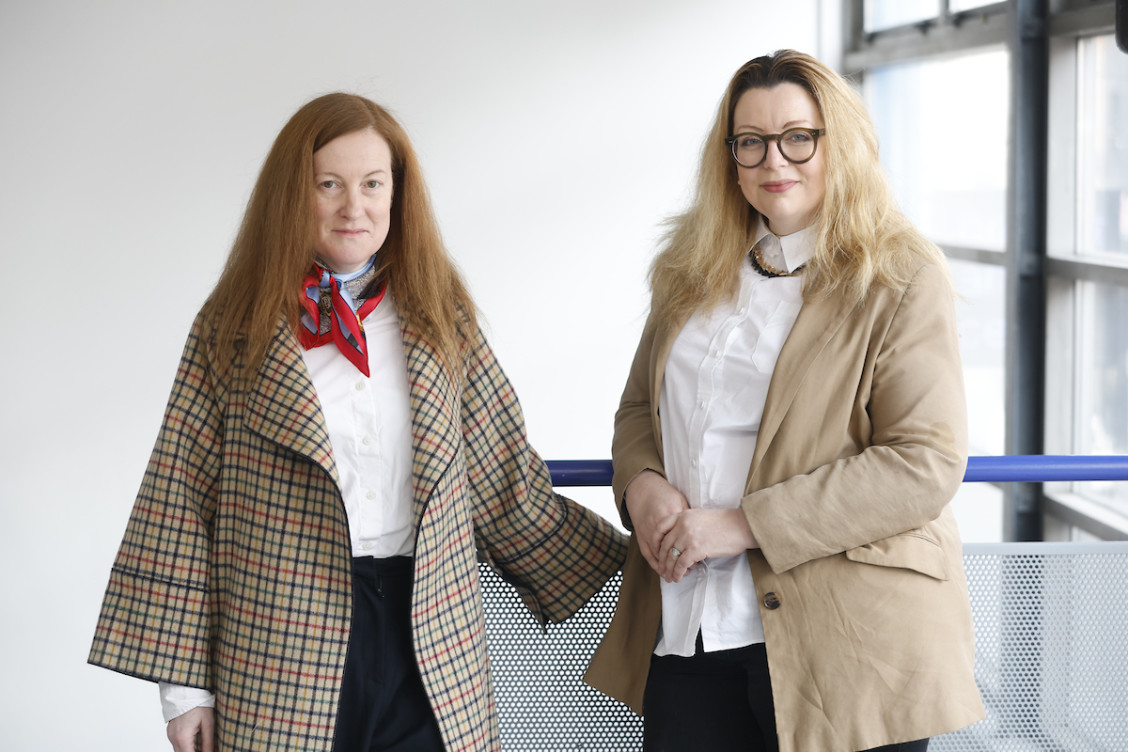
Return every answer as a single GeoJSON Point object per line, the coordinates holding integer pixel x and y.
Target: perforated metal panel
{"type": "Point", "coordinates": [1051, 623]}
{"type": "Point", "coordinates": [1051, 648]}
{"type": "Point", "coordinates": [542, 701]}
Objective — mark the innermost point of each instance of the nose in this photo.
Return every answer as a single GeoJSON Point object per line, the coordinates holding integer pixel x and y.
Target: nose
{"type": "Point", "coordinates": [774, 157]}
{"type": "Point", "coordinates": [352, 205]}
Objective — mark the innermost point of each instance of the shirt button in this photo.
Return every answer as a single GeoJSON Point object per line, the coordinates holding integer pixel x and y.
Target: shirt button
{"type": "Point", "coordinates": [360, 385]}
{"type": "Point", "coordinates": [367, 545]}
{"type": "Point", "coordinates": [367, 440]}
{"type": "Point", "coordinates": [371, 494]}
{"type": "Point", "coordinates": [771, 601]}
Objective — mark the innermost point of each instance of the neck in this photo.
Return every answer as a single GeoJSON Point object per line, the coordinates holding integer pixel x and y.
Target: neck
{"type": "Point", "coordinates": [348, 276]}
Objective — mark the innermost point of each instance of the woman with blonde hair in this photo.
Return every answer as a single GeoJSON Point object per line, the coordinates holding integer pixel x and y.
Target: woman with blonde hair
{"type": "Point", "coordinates": [789, 437]}
{"type": "Point", "coordinates": [339, 450]}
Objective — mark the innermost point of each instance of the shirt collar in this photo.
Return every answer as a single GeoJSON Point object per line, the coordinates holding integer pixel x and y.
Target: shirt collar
{"type": "Point", "coordinates": [788, 252]}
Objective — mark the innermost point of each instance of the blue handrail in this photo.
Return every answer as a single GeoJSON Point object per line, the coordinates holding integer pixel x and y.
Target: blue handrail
{"type": "Point", "coordinates": [1034, 468]}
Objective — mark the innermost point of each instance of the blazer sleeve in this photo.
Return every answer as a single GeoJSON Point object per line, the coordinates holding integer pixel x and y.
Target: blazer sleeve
{"type": "Point", "coordinates": [916, 454]}
{"type": "Point", "coordinates": [154, 620]}
{"type": "Point", "coordinates": [556, 552]}
{"type": "Point", "coordinates": [634, 447]}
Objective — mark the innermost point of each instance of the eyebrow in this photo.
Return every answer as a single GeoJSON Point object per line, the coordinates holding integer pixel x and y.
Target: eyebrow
{"type": "Point", "coordinates": [786, 126]}
{"type": "Point", "coordinates": [330, 173]}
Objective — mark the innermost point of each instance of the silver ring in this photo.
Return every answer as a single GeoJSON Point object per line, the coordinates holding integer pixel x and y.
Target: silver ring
{"type": "Point", "coordinates": [675, 552]}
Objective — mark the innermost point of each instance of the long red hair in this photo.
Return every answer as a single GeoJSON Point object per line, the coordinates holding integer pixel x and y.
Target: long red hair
{"type": "Point", "coordinates": [260, 284]}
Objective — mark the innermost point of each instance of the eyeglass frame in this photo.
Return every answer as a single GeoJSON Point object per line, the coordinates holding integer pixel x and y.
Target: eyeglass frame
{"type": "Point", "coordinates": [767, 138]}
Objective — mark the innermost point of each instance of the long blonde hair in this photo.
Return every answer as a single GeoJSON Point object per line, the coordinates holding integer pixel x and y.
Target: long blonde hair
{"type": "Point", "coordinates": [273, 250]}
{"type": "Point", "coordinates": [863, 238]}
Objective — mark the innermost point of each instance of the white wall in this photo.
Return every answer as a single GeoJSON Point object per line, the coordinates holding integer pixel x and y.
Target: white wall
{"type": "Point", "coordinates": [555, 136]}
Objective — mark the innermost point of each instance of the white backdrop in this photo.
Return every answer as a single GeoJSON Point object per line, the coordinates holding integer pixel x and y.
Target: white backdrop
{"type": "Point", "coordinates": [555, 138]}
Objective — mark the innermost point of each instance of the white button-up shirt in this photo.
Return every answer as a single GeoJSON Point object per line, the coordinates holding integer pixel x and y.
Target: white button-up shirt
{"type": "Point", "coordinates": [713, 392]}
{"type": "Point", "coordinates": [369, 422]}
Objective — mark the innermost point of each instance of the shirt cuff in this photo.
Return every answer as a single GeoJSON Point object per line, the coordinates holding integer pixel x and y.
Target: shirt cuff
{"type": "Point", "coordinates": [176, 699]}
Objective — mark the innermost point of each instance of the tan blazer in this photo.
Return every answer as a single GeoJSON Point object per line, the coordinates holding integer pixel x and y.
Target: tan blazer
{"type": "Point", "coordinates": [860, 572]}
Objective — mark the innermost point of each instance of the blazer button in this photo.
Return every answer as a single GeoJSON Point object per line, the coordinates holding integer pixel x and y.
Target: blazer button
{"type": "Point", "coordinates": [771, 601]}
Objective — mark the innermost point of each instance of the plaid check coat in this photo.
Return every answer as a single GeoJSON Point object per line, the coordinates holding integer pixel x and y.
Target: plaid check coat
{"type": "Point", "coordinates": [234, 571]}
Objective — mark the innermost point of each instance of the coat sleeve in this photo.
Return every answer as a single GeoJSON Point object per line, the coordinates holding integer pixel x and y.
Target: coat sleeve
{"type": "Point", "coordinates": [154, 621]}
{"type": "Point", "coordinates": [634, 447]}
{"type": "Point", "coordinates": [555, 551]}
{"type": "Point", "coordinates": [915, 456]}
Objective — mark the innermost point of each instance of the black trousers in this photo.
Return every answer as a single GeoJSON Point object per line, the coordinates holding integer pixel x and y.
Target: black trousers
{"type": "Point", "coordinates": [719, 701]}
{"type": "Point", "coordinates": [383, 705]}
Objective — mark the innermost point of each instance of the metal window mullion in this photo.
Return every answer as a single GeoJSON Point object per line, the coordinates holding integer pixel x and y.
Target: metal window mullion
{"type": "Point", "coordinates": [1091, 18]}
{"type": "Point", "coordinates": [1028, 42]}
{"type": "Point", "coordinates": [1087, 271]}
{"type": "Point", "coordinates": [975, 255]}
{"type": "Point", "coordinates": [907, 43]}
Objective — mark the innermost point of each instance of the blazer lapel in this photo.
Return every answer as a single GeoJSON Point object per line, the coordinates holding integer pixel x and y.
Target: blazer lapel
{"type": "Point", "coordinates": [818, 322]}
{"type": "Point", "coordinates": [436, 435]}
{"type": "Point", "coordinates": [661, 354]}
{"type": "Point", "coordinates": [282, 404]}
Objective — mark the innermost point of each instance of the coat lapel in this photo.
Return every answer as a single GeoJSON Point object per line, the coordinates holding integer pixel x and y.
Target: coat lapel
{"type": "Point", "coordinates": [282, 405]}
{"type": "Point", "coordinates": [435, 417]}
{"type": "Point", "coordinates": [818, 322]}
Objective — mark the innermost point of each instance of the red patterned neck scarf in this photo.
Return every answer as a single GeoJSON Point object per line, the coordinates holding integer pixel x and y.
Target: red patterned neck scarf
{"type": "Point", "coordinates": [325, 297]}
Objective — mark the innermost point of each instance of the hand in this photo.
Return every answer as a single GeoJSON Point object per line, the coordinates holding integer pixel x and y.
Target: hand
{"type": "Point", "coordinates": [651, 499]}
{"type": "Point", "coordinates": [698, 534]}
{"type": "Point", "coordinates": [184, 729]}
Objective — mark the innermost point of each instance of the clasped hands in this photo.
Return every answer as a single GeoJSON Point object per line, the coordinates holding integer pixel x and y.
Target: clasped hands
{"type": "Point", "coordinates": [674, 538]}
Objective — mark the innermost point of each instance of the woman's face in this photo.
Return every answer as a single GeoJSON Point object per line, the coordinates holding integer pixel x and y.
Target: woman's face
{"type": "Point", "coordinates": [788, 195]}
{"type": "Point", "coordinates": [353, 199]}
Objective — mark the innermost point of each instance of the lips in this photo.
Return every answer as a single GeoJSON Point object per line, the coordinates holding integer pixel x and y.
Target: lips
{"type": "Point", "coordinates": [778, 186]}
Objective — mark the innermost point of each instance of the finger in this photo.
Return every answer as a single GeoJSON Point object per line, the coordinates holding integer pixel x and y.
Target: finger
{"type": "Point", "coordinates": [664, 556]}
{"type": "Point", "coordinates": [664, 525]}
{"type": "Point", "coordinates": [678, 567]}
{"type": "Point", "coordinates": [648, 554]}
{"type": "Point", "coordinates": [674, 568]}
{"type": "Point", "coordinates": [655, 543]}
{"type": "Point", "coordinates": [671, 554]}
{"type": "Point", "coordinates": [666, 542]}
{"type": "Point", "coordinates": [684, 564]}
{"type": "Point", "coordinates": [670, 532]}
{"type": "Point", "coordinates": [207, 734]}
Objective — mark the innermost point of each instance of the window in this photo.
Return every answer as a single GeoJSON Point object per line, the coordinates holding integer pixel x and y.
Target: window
{"type": "Point", "coordinates": [937, 75]}
{"type": "Point", "coordinates": [1102, 149]}
{"type": "Point", "coordinates": [965, 5]}
{"type": "Point", "coordinates": [942, 126]}
{"type": "Point", "coordinates": [1088, 225]}
{"type": "Point", "coordinates": [884, 14]}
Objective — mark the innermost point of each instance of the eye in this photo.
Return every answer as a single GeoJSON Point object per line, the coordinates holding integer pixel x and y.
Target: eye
{"type": "Point", "coordinates": [372, 184]}
{"type": "Point", "coordinates": [749, 141]}
{"type": "Point", "coordinates": [327, 184]}
{"type": "Point", "coordinates": [797, 137]}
